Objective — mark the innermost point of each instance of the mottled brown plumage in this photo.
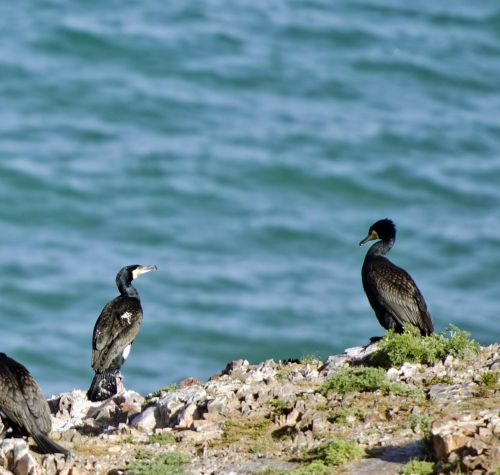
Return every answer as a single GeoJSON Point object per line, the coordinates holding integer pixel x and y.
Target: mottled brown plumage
{"type": "Point", "coordinates": [114, 333]}
{"type": "Point", "coordinates": [391, 291]}
{"type": "Point", "coordinates": [24, 405]}
{"type": "Point", "coordinates": [116, 327]}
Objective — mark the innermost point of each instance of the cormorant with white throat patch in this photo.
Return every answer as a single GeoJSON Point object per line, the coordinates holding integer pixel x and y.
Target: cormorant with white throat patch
{"type": "Point", "coordinates": [114, 333]}
{"type": "Point", "coordinates": [24, 405]}
{"type": "Point", "coordinates": [391, 291]}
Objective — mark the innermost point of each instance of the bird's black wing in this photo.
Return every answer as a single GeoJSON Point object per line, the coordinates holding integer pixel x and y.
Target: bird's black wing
{"type": "Point", "coordinates": [398, 293]}
{"type": "Point", "coordinates": [21, 399]}
{"type": "Point", "coordinates": [103, 329]}
{"type": "Point", "coordinates": [116, 327]}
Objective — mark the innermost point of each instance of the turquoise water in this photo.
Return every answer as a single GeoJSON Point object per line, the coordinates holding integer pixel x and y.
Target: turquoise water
{"type": "Point", "coordinates": [244, 148]}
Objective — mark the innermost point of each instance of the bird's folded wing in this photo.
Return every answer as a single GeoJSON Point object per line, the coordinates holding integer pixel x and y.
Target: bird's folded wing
{"type": "Point", "coordinates": [398, 293]}
{"type": "Point", "coordinates": [22, 400]}
{"type": "Point", "coordinates": [115, 329]}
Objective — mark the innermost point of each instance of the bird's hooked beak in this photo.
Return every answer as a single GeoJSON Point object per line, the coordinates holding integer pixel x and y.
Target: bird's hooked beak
{"type": "Point", "coordinates": [372, 236]}
{"type": "Point", "coordinates": [142, 270]}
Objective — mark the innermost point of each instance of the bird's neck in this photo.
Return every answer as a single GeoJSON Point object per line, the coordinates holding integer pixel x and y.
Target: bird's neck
{"type": "Point", "coordinates": [127, 289]}
{"type": "Point", "coordinates": [381, 248]}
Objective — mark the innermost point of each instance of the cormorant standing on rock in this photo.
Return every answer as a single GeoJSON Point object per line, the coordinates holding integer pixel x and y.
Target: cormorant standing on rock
{"type": "Point", "coordinates": [114, 333]}
{"type": "Point", "coordinates": [391, 291]}
{"type": "Point", "coordinates": [22, 401]}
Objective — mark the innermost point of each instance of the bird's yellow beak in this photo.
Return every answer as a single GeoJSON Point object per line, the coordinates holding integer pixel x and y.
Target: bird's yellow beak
{"type": "Point", "coordinates": [142, 270]}
{"type": "Point", "coordinates": [371, 237]}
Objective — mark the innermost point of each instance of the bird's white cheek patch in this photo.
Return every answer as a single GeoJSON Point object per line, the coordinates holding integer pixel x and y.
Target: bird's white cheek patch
{"type": "Point", "coordinates": [126, 352]}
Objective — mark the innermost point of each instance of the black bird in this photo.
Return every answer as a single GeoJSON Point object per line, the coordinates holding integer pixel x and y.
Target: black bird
{"type": "Point", "coordinates": [391, 291]}
{"type": "Point", "coordinates": [24, 405]}
{"type": "Point", "coordinates": [114, 333]}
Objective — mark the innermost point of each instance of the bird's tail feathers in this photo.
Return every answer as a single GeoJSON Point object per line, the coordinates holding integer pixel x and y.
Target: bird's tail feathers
{"type": "Point", "coordinates": [103, 386]}
{"type": "Point", "coordinates": [48, 446]}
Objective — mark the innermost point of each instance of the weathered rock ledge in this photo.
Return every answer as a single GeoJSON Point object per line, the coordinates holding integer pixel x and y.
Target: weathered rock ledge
{"type": "Point", "coordinates": [264, 418]}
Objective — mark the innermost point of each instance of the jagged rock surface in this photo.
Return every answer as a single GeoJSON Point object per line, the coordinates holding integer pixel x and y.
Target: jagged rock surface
{"type": "Point", "coordinates": [253, 418]}
{"type": "Point", "coordinates": [466, 440]}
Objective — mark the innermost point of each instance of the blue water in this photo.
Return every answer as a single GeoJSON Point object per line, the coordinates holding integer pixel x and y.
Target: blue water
{"type": "Point", "coordinates": [244, 148]}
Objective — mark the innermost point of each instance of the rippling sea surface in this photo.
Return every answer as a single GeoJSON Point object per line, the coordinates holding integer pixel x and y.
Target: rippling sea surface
{"type": "Point", "coordinates": [244, 148]}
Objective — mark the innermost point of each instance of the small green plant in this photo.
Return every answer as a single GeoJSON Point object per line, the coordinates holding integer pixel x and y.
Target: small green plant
{"type": "Point", "coordinates": [340, 416]}
{"type": "Point", "coordinates": [454, 467]}
{"type": "Point", "coordinates": [366, 379]}
{"type": "Point", "coordinates": [418, 467]}
{"type": "Point", "coordinates": [354, 379]}
{"type": "Point", "coordinates": [489, 380]}
{"type": "Point", "coordinates": [148, 403]}
{"type": "Point", "coordinates": [152, 398]}
{"type": "Point", "coordinates": [313, 468]}
{"type": "Point", "coordinates": [167, 389]}
{"type": "Point", "coordinates": [334, 453]}
{"type": "Point", "coordinates": [227, 431]}
{"type": "Point", "coordinates": [272, 471]}
{"type": "Point", "coordinates": [128, 440]}
{"type": "Point", "coordinates": [309, 359]}
{"type": "Point", "coordinates": [257, 447]}
{"type": "Point", "coordinates": [165, 463]}
{"type": "Point", "coordinates": [400, 389]}
{"type": "Point", "coordinates": [142, 454]}
{"type": "Point", "coordinates": [237, 430]}
{"type": "Point", "coordinates": [459, 344]}
{"type": "Point", "coordinates": [165, 438]}
{"type": "Point", "coordinates": [280, 407]}
{"type": "Point", "coordinates": [419, 422]}
{"type": "Point", "coordinates": [283, 374]}
{"type": "Point", "coordinates": [446, 379]}
{"type": "Point", "coordinates": [409, 347]}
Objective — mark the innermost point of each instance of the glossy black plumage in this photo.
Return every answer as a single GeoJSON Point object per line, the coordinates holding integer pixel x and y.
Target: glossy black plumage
{"type": "Point", "coordinates": [391, 291]}
{"type": "Point", "coordinates": [24, 405]}
{"type": "Point", "coordinates": [114, 333]}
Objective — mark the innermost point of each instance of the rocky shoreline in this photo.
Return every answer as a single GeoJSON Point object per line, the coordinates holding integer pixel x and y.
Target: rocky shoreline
{"type": "Point", "coordinates": [295, 417]}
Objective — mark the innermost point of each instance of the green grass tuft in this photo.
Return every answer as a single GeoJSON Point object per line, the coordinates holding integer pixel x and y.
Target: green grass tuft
{"type": "Point", "coordinates": [283, 374]}
{"type": "Point", "coordinates": [148, 403]}
{"type": "Point", "coordinates": [409, 347]}
{"type": "Point", "coordinates": [445, 379]}
{"type": "Point", "coordinates": [334, 453]}
{"type": "Point", "coordinates": [362, 379]}
{"type": "Point", "coordinates": [147, 463]}
{"type": "Point", "coordinates": [280, 407]}
{"type": "Point", "coordinates": [237, 430]}
{"type": "Point", "coordinates": [165, 438]}
{"type": "Point", "coordinates": [272, 471]}
{"type": "Point", "coordinates": [400, 389]}
{"type": "Point", "coordinates": [340, 415]}
{"type": "Point", "coordinates": [419, 422]}
{"type": "Point", "coordinates": [313, 468]}
{"type": "Point", "coordinates": [322, 459]}
{"type": "Point", "coordinates": [142, 454]}
{"type": "Point", "coordinates": [489, 380]}
{"type": "Point", "coordinates": [167, 389]}
{"type": "Point", "coordinates": [309, 359]}
{"type": "Point", "coordinates": [418, 467]}
{"type": "Point", "coordinates": [354, 379]}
